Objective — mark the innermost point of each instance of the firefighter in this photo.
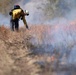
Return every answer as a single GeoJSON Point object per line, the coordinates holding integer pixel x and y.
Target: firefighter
{"type": "Point", "coordinates": [16, 14]}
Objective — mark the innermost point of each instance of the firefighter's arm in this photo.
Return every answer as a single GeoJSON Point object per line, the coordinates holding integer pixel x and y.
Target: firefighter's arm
{"type": "Point", "coordinates": [24, 21]}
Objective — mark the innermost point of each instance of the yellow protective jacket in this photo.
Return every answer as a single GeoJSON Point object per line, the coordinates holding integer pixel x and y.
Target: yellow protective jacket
{"type": "Point", "coordinates": [17, 14]}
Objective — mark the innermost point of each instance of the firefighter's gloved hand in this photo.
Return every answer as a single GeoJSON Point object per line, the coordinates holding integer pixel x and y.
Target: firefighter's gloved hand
{"type": "Point", "coordinates": [21, 18]}
{"type": "Point", "coordinates": [27, 27]}
{"type": "Point", "coordinates": [27, 14]}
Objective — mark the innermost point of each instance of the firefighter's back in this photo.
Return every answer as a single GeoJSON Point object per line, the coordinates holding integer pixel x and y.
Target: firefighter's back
{"type": "Point", "coordinates": [16, 13]}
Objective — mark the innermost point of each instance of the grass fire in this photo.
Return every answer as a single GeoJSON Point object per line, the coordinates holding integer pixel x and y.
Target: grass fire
{"type": "Point", "coordinates": [46, 46]}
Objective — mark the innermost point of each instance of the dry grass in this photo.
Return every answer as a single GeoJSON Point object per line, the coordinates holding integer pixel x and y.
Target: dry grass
{"type": "Point", "coordinates": [19, 55]}
{"type": "Point", "coordinates": [14, 54]}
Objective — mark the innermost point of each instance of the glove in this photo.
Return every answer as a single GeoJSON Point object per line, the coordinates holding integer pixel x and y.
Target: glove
{"type": "Point", "coordinates": [27, 26]}
{"type": "Point", "coordinates": [27, 14]}
{"type": "Point", "coordinates": [21, 18]}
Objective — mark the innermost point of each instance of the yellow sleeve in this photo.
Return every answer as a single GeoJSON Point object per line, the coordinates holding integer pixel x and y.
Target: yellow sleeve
{"type": "Point", "coordinates": [24, 21]}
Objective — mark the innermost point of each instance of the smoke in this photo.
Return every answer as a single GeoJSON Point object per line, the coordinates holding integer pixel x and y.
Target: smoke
{"type": "Point", "coordinates": [4, 20]}
{"type": "Point", "coordinates": [58, 13]}
{"type": "Point", "coordinates": [63, 12]}
{"type": "Point", "coordinates": [61, 35]}
{"type": "Point", "coordinates": [49, 11]}
{"type": "Point", "coordinates": [32, 6]}
{"type": "Point", "coordinates": [60, 38]}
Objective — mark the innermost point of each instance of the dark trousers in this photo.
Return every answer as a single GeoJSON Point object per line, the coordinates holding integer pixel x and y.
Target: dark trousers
{"type": "Point", "coordinates": [14, 24]}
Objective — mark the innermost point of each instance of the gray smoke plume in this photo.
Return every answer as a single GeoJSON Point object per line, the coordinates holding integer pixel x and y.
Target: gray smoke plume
{"type": "Point", "coordinates": [60, 14]}
{"type": "Point", "coordinates": [47, 11]}
{"type": "Point", "coordinates": [4, 20]}
{"type": "Point", "coordinates": [62, 34]}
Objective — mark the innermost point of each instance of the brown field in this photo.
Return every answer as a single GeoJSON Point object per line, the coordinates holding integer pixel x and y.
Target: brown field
{"type": "Point", "coordinates": [22, 53]}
